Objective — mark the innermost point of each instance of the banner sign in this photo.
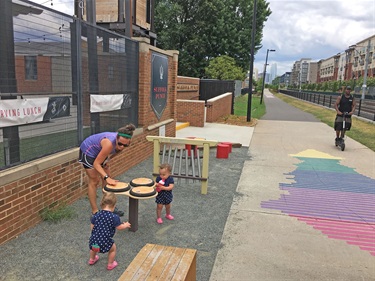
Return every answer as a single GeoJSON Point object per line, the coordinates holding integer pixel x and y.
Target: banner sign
{"type": "Point", "coordinates": [103, 103]}
{"type": "Point", "coordinates": [159, 83]}
{"type": "Point", "coordinates": [31, 110]}
{"type": "Point", "coordinates": [57, 107]}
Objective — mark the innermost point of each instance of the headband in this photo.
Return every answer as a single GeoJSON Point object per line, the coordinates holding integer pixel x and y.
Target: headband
{"type": "Point", "coordinates": [125, 135]}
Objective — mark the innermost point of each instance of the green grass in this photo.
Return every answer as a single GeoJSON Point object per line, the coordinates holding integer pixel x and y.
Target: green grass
{"type": "Point", "coordinates": [39, 146]}
{"type": "Point", "coordinates": [361, 131]}
{"type": "Point", "coordinates": [241, 103]}
{"type": "Point", "coordinates": [56, 214]}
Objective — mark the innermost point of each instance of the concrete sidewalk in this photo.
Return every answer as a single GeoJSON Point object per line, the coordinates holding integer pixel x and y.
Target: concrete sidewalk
{"type": "Point", "coordinates": [219, 132]}
{"type": "Point", "coordinates": [305, 210]}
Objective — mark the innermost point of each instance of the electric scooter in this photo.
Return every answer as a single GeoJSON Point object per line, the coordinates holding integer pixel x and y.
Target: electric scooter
{"type": "Point", "coordinates": [341, 143]}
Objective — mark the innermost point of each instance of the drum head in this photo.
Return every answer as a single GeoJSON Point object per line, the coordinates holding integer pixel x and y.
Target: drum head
{"type": "Point", "coordinates": [142, 182]}
{"type": "Point", "coordinates": [119, 187]}
{"type": "Point", "coordinates": [142, 191]}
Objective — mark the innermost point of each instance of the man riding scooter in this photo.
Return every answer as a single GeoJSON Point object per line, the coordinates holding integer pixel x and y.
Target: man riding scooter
{"type": "Point", "coordinates": [345, 103]}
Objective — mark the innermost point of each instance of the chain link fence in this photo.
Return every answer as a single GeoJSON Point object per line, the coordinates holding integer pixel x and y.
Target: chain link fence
{"type": "Point", "coordinates": [53, 67]}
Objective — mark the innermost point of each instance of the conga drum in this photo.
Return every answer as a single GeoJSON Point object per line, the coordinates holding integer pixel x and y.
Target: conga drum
{"type": "Point", "coordinates": [142, 187]}
{"type": "Point", "coordinates": [119, 187]}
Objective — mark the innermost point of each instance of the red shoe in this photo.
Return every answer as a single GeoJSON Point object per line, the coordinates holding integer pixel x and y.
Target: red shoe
{"type": "Point", "coordinates": [159, 220]}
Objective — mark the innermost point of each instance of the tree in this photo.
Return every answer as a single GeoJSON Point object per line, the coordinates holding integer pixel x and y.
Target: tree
{"type": "Point", "coordinates": [224, 68]}
{"type": "Point", "coordinates": [205, 29]}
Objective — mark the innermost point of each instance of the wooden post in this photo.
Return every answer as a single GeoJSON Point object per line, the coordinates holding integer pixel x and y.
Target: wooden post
{"type": "Point", "coordinates": [156, 157]}
{"type": "Point", "coordinates": [206, 157]}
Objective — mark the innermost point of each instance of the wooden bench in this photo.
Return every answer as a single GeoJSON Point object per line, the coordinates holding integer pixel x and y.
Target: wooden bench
{"type": "Point", "coordinates": [157, 262]}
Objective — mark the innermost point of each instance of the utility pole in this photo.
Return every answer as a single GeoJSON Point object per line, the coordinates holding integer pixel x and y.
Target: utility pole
{"type": "Point", "coordinates": [364, 86]}
{"type": "Point", "coordinates": [248, 117]}
{"type": "Point", "coordinates": [264, 74]}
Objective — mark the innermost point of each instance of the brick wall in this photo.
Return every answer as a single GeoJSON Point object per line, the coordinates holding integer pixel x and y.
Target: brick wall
{"type": "Point", "coordinates": [191, 111]}
{"type": "Point", "coordinates": [43, 83]}
{"type": "Point", "coordinates": [218, 107]}
{"type": "Point", "coordinates": [187, 88]}
{"type": "Point", "coordinates": [27, 189]}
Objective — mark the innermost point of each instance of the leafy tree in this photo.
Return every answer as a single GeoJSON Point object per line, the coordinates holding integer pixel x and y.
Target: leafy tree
{"type": "Point", "coordinates": [259, 85]}
{"type": "Point", "coordinates": [335, 86]}
{"type": "Point", "coordinates": [224, 68]}
{"type": "Point", "coordinates": [205, 29]}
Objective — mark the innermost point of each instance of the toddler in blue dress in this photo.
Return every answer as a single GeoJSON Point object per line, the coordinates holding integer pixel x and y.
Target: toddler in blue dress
{"type": "Point", "coordinates": [103, 227]}
{"type": "Point", "coordinates": [164, 186]}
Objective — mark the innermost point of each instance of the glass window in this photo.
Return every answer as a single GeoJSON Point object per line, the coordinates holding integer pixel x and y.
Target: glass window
{"type": "Point", "coordinates": [31, 71]}
{"type": "Point", "coordinates": [110, 72]}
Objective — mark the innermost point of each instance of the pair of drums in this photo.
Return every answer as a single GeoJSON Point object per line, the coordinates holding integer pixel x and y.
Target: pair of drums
{"type": "Point", "coordinates": [139, 187]}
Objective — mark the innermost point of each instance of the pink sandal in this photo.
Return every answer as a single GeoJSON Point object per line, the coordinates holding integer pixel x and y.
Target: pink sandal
{"type": "Point", "coordinates": [112, 266]}
{"type": "Point", "coordinates": [169, 217]}
{"type": "Point", "coordinates": [93, 261]}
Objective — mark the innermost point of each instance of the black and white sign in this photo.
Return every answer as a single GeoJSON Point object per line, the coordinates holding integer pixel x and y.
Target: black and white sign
{"type": "Point", "coordinates": [159, 83]}
{"type": "Point", "coordinates": [31, 110]}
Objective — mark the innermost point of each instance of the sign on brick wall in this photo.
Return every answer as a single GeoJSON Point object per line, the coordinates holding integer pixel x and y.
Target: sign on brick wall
{"type": "Point", "coordinates": [159, 83]}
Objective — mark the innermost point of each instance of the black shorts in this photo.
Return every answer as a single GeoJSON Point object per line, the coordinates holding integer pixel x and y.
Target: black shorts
{"type": "Point", "coordinates": [87, 161]}
{"type": "Point", "coordinates": [338, 123]}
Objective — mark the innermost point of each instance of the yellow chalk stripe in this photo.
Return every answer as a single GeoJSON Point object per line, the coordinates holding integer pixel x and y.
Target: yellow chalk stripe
{"type": "Point", "coordinates": [312, 153]}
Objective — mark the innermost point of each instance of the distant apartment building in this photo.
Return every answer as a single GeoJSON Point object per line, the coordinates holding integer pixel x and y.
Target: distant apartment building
{"type": "Point", "coordinates": [301, 72]}
{"type": "Point", "coordinates": [350, 64]}
{"type": "Point", "coordinates": [328, 69]}
{"type": "Point", "coordinates": [313, 73]}
{"type": "Point", "coordinates": [361, 56]}
{"type": "Point", "coordinates": [285, 79]}
{"type": "Point", "coordinates": [341, 66]}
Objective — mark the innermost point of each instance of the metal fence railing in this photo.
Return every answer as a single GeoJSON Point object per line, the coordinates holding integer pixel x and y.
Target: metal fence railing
{"type": "Point", "coordinates": [365, 107]}
{"type": "Point", "coordinates": [51, 66]}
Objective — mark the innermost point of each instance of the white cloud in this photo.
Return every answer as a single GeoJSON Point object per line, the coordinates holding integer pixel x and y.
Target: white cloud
{"type": "Point", "coordinates": [299, 29]}
{"type": "Point", "coordinates": [314, 29]}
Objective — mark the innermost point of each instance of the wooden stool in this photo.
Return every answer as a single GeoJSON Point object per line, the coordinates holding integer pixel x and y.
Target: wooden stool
{"type": "Point", "coordinates": [229, 144]}
{"type": "Point", "coordinates": [157, 262]}
{"type": "Point", "coordinates": [222, 151]}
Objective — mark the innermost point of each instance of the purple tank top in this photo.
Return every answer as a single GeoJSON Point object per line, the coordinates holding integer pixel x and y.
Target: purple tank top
{"type": "Point", "coordinates": [91, 145]}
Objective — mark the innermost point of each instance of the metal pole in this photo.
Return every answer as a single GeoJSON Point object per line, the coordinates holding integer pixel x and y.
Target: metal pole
{"type": "Point", "coordinates": [264, 77]}
{"type": "Point", "coordinates": [253, 27]}
{"type": "Point", "coordinates": [364, 86]}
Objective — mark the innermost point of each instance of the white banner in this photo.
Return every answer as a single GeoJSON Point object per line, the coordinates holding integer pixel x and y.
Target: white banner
{"type": "Point", "coordinates": [102, 103]}
{"type": "Point", "coordinates": [22, 111]}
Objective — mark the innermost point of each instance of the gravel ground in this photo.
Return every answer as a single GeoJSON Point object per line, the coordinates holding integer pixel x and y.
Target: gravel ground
{"type": "Point", "coordinates": [60, 251]}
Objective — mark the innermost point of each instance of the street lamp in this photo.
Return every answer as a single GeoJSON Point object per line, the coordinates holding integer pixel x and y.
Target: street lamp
{"type": "Point", "coordinates": [248, 114]}
{"type": "Point", "coordinates": [264, 74]}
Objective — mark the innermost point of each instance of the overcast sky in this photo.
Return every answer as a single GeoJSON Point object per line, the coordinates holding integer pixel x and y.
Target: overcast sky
{"type": "Point", "coordinates": [300, 29]}
{"type": "Point", "coordinates": [313, 29]}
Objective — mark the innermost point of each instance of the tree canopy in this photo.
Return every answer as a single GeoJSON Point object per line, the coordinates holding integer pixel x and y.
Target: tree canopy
{"type": "Point", "coordinates": [224, 68]}
{"type": "Point", "coordinates": [202, 30]}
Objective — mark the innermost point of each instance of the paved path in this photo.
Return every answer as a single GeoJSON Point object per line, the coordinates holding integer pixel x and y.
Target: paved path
{"type": "Point", "coordinates": [305, 210]}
